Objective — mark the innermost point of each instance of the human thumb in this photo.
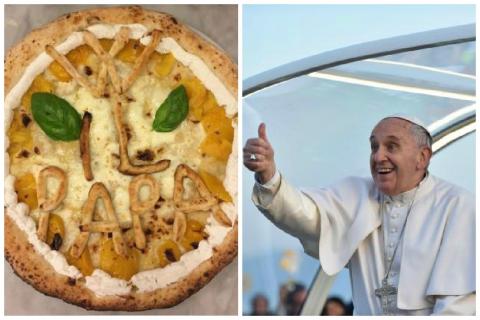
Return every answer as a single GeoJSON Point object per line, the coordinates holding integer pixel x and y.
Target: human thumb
{"type": "Point", "coordinates": [262, 131]}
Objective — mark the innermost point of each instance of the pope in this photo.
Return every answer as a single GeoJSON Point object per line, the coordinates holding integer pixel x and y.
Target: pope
{"type": "Point", "coordinates": [406, 236]}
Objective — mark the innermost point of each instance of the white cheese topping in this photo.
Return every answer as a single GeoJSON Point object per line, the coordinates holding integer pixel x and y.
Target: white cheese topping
{"type": "Point", "coordinates": [229, 210]}
{"type": "Point", "coordinates": [103, 284]}
{"type": "Point", "coordinates": [230, 182]}
{"type": "Point", "coordinates": [19, 213]}
{"type": "Point", "coordinates": [216, 231]}
{"type": "Point", "coordinates": [109, 31]}
{"type": "Point", "coordinates": [100, 282]}
{"type": "Point", "coordinates": [160, 278]}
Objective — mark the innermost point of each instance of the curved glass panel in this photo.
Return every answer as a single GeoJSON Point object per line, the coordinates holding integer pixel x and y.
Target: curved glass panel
{"type": "Point", "coordinates": [456, 162]}
{"type": "Point", "coordinates": [458, 58]}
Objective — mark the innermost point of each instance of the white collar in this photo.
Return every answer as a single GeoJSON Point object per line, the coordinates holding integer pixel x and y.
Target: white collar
{"type": "Point", "coordinates": [406, 197]}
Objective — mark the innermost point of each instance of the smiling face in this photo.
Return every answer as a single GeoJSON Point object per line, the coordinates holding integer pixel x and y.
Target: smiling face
{"type": "Point", "coordinates": [397, 163]}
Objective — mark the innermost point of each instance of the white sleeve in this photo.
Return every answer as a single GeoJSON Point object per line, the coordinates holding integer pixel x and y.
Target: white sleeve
{"type": "Point", "coordinates": [268, 190]}
{"type": "Point", "coordinates": [289, 209]}
{"type": "Point", "coordinates": [455, 305]}
{"type": "Point", "coordinates": [331, 222]}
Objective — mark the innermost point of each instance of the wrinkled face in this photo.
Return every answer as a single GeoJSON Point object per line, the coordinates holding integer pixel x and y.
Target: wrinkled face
{"type": "Point", "coordinates": [397, 163]}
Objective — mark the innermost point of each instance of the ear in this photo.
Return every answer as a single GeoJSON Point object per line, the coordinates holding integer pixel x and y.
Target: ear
{"type": "Point", "coordinates": [423, 159]}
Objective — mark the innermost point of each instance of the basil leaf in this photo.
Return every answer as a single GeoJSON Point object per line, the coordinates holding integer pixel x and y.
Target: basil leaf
{"type": "Point", "coordinates": [172, 111]}
{"type": "Point", "coordinates": [57, 118]}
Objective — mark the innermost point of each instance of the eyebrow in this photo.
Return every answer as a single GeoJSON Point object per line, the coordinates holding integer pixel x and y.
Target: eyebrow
{"type": "Point", "coordinates": [395, 138]}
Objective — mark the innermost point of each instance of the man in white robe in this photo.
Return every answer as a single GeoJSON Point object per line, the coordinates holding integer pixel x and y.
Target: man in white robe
{"type": "Point", "coordinates": [407, 237]}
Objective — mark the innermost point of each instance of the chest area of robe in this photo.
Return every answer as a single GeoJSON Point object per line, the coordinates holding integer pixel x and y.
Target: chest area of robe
{"type": "Point", "coordinates": [410, 255]}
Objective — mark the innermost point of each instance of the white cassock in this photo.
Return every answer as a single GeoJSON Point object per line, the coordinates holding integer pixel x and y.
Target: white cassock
{"type": "Point", "coordinates": [346, 225]}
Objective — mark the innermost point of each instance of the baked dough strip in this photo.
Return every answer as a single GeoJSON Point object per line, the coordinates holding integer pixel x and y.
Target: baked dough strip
{"type": "Point", "coordinates": [202, 203]}
{"type": "Point", "coordinates": [107, 59]}
{"type": "Point", "coordinates": [205, 202]}
{"type": "Point", "coordinates": [93, 42]}
{"type": "Point", "coordinates": [121, 38]}
{"type": "Point", "coordinates": [67, 65]}
{"type": "Point", "coordinates": [221, 217]}
{"type": "Point", "coordinates": [100, 226]}
{"type": "Point", "coordinates": [142, 60]}
{"type": "Point", "coordinates": [46, 205]}
{"type": "Point", "coordinates": [107, 62]}
{"type": "Point", "coordinates": [125, 166]}
{"type": "Point", "coordinates": [85, 146]}
{"type": "Point", "coordinates": [179, 226]}
{"type": "Point", "coordinates": [98, 191]}
{"type": "Point", "coordinates": [138, 207]}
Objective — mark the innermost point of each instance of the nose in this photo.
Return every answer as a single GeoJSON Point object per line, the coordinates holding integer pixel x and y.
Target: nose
{"type": "Point", "coordinates": [379, 155]}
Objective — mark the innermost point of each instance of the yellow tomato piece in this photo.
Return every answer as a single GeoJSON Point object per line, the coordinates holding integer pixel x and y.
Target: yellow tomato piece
{"type": "Point", "coordinates": [213, 166]}
{"type": "Point", "coordinates": [200, 219]}
{"type": "Point", "coordinates": [79, 55]}
{"type": "Point", "coordinates": [19, 135]}
{"type": "Point", "coordinates": [168, 252]}
{"type": "Point", "coordinates": [116, 265]}
{"type": "Point", "coordinates": [216, 122]}
{"type": "Point", "coordinates": [55, 225]}
{"type": "Point", "coordinates": [193, 235]}
{"type": "Point", "coordinates": [39, 84]}
{"type": "Point", "coordinates": [196, 94]}
{"type": "Point", "coordinates": [132, 50]}
{"type": "Point", "coordinates": [26, 189]}
{"type": "Point", "coordinates": [215, 186]}
{"type": "Point", "coordinates": [216, 147]}
{"type": "Point", "coordinates": [59, 72]}
{"type": "Point", "coordinates": [106, 44]}
{"type": "Point", "coordinates": [164, 65]}
{"type": "Point", "coordinates": [210, 102]}
{"type": "Point", "coordinates": [195, 225]}
{"type": "Point", "coordinates": [156, 58]}
{"type": "Point", "coordinates": [196, 112]}
{"type": "Point", "coordinates": [191, 239]}
{"type": "Point", "coordinates": [83, 263]}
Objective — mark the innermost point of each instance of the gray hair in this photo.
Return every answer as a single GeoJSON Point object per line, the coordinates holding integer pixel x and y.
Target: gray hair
{"type": "Point", "coordinates": [421, 136]}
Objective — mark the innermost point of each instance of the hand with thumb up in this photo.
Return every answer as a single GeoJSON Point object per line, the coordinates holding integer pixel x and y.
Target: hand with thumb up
{"type": "Point", "coordinates": [258, 156]}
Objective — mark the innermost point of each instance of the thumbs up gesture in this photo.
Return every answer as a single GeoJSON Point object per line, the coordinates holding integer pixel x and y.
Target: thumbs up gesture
{"type": "Point", "coordinates": [258, 156]}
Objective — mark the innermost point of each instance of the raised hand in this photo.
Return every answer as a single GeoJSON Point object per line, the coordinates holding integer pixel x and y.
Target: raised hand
{"type": "Point", "coordinates": [258, 156]}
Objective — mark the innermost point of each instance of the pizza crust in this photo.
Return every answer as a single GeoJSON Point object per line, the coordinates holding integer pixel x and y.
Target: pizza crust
{"type": "Point", "coordinates": [37, 272]}
{"type": "Point", "coordinates": [20, 253]}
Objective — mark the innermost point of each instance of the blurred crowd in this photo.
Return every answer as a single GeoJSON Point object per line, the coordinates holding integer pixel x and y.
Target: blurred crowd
{"type": "Point", "coordinates": [291, 299]}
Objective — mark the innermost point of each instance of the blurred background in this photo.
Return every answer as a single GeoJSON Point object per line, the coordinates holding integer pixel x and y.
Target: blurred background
{"type": "Point", "coordinates": [319, 123]}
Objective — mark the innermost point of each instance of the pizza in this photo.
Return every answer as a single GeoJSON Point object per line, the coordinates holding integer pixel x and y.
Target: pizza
{"type": "Point", "coordinates": [121, 159]}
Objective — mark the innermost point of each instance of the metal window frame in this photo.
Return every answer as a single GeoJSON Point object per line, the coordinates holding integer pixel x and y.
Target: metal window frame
{"type": "Point", "coordinates": [448, 133]}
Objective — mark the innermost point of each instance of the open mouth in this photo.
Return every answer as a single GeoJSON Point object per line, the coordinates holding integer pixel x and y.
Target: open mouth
{"type": "Point", "coordinates": [384, 170]}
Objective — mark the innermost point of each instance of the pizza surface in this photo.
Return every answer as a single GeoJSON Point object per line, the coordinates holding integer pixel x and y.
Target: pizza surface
{"type": "Point", "coordinates": [121, 192]}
